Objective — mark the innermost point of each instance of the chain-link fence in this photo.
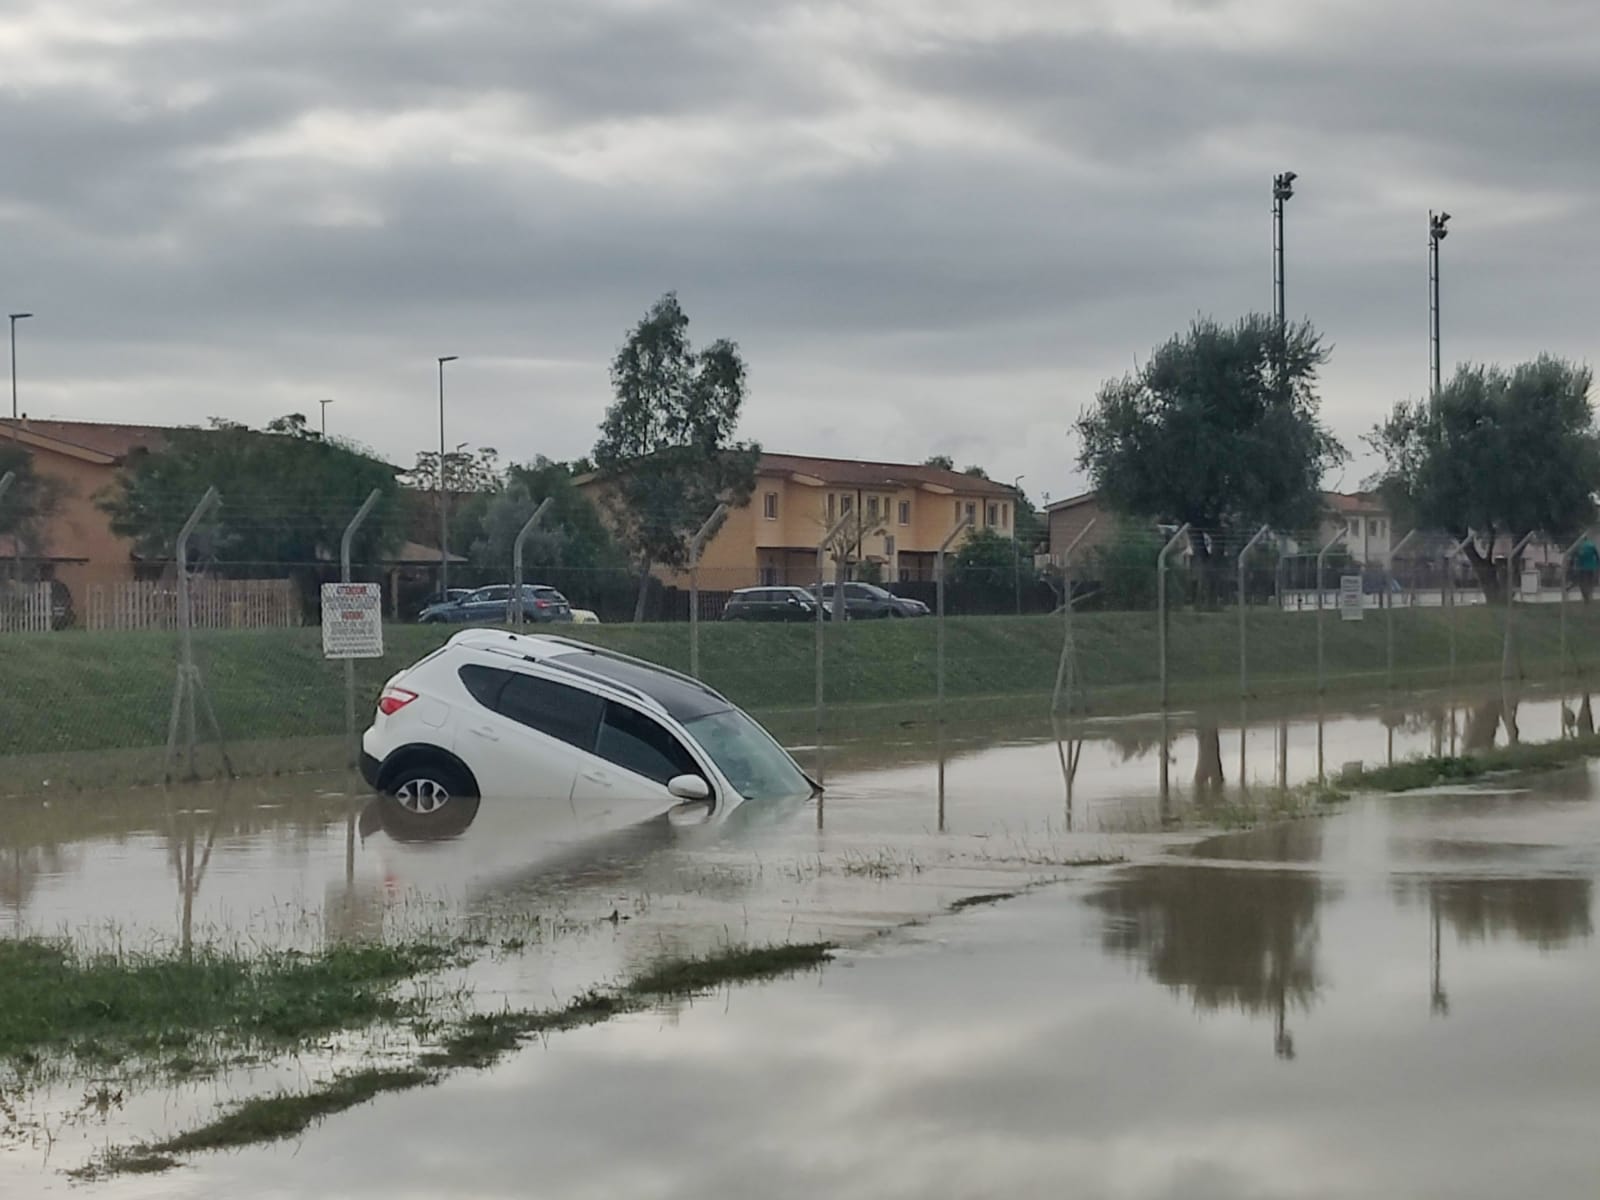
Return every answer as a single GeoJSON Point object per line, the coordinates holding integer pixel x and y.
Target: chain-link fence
{"type": "Point", "coordinates": [158, 668]}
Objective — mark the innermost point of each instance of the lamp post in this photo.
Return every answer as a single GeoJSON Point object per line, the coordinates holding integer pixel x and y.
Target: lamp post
{"type": "Point", "coordinates": [1016, 542]}
{"type": "Point", "coordinates": [324, 404]}
{"type": "Point", "coordinates": [15, 317]}
{"type": "Point", "coordinates": [444, 516]}
{"type": "Point", "coordinates": [1436, 234]}
{"type": "Point", "coordinates": [1282, 190]}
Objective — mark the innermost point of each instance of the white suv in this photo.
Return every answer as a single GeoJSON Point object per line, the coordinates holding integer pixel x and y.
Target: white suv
{"type": "Point", "coordinates": [596, 739]}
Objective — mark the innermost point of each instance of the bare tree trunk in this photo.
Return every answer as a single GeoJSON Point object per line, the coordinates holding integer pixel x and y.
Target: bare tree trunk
{"type": "Point", "coordinates": [1483, 566]}
{"type": "Point", "coordinates": [644, 591]}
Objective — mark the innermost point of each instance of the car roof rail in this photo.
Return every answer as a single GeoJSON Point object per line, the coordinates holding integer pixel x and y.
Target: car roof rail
{"type": "Point", "coordinates": [619, 656]}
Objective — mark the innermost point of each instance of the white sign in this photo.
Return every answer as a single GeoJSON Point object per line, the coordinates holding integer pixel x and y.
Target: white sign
{"type": "Point", "coordinates": [1530, 585]}
{"type": "Point", "coordinates": [352, 620]}
{"type": "Point", "coordinates": [1350, 601]}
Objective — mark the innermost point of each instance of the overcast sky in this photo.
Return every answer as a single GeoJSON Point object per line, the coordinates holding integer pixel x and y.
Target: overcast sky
{"type": "Point", "coordinates": [932, 226]}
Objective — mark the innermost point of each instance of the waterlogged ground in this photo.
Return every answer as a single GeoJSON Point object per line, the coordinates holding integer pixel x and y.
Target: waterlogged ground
{"type": "Point", "coordinates": [1394, 999]}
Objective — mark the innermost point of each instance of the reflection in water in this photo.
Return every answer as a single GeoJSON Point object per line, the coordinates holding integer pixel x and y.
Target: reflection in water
{"type": "Point", "coordinates": [1547, 912]}
{"type": "Point", "coordinates": [1244, 939]}
{"type": "Point", "coordinates": [182, 833]}
{"type": "Point", "coordinates": [1069, 752]}
{"type": "Point", "coordinates": [1208, 759]}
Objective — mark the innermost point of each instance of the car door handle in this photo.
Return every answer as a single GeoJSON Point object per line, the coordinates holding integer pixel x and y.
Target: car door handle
{"type": "Point", "coordinates": [486, 733]}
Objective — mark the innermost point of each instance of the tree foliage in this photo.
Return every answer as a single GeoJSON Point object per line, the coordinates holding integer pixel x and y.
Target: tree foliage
{"type": "Point", "coordinates": [1496, 452]}
{"type": "Point", "coordinates": [287, 495]}
{"type": "Point", "coordinates": [1219, 429]}
{"type": "Point", "coordinates": [991, 565]}
{"type": "Point", "coordinates": [464, 471]}
{"type": "Point", "coordinates": [28, 502]}
{"type": "Point", "coordinates": [667, 441]}
{"type": "Point", "coordinates": [943, 461]}
{"type": "Point", "coordinates": [570, 537]}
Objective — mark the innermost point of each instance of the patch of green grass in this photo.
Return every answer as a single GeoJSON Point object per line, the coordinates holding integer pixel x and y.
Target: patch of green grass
{"type": "Point", "coordinates": [733, 964]}
{"type": "Point", "coordinates": [483, 1038]}
{"type": "Point", "coordinates": [106, 1008]}
{"type": "Point", "coordinates": [1437, 771]}
{"type": "Point", "coordinates": [985, 898]}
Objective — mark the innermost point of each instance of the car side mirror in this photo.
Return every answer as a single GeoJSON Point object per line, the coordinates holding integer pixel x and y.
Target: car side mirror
{"type": "Point", "coordinates": [690, 788]}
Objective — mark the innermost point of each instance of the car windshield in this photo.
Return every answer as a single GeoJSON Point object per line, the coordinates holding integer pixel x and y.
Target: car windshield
{"type": "Point", "coordinates": [755, 764]}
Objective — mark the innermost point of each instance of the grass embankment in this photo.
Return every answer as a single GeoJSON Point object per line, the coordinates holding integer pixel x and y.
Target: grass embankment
{"type": "Point", "coordinates": [1437, 771]}
{"type": "Point", "coordinates": [188, 1013]}
{"type": "Point", "coordinates": [77, 691]}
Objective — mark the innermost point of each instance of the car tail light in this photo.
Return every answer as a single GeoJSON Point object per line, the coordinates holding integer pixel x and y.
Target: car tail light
{"type": "Point", "coordinates": [541, 604]}
{"type": "Point", "coordinates": [394, 699]}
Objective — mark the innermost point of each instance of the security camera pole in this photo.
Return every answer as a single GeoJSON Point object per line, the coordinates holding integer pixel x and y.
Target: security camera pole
{"type": "Point", "coordinates": [1436, 234]}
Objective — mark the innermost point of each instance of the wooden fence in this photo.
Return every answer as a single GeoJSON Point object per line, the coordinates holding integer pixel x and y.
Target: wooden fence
{"type": "Point", "coordinates": [25, 608]}
{"type": "Point", "coordinates": [213, 604]}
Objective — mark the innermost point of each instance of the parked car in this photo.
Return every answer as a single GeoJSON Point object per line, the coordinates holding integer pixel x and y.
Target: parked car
{"type": "Point", "coordinates": [868, 601]}
{"type": "Point", "coordinates": [770, 604]}
{"type": "Point", "coordinates": [539, 604]}
{"type": "Point", "coordinates": [448, 596]}
{"type": "Point", "coordinates": [593, 738]}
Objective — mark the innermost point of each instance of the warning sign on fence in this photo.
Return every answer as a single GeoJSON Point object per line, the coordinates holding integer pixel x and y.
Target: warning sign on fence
{"type": "Point", "coordinates": [1350, 601]}
{"type": "Point", "coordinates": [352, 620]}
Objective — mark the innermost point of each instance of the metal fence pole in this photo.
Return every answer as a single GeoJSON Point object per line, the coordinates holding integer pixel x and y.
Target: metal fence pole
{"type": "Point", "coordinates": [1161, 611]}
{"type": "Point", "coordinates": [189, 690]}
{"type": "Point", "coordinates": [1388, 600]}
{"type": "Point", "coordinates": [939, 561]}
{"type": "Point", "coordinates": [696, 544]}
{"type": "Point", "coordinates": [822, 550]}
{"type": "Point", "coordinates": [518, 609]}
{"type": "Point", "coordinates": [1322, 558]}
{"type": "Point", "coordinates": [1067, 668]}
{"type": "Point", "coordinates": [1511, 571]}
{"type": "Point", "coordinates": [1449, 600]}
{"type": "Point", "coordinates": [1244, 676]}
{"type": "Point", "coordinates": [362, 513]}
{"type": "Point", "coordinates": [1566, 563]}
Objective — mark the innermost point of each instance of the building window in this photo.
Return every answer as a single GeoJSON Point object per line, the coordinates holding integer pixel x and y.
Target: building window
{"type": "Point", "coordinates": [769, 576]}
{"type": "Point", "coordinates": [972, 512]}
{"type": "Point", "coordinates": [1372, 526]}
{"type": "Point", "coordinates": [872, 508]}
{"type": "Point", "coordinates": [888, 545]}
{"type": "Point", "coordinates": [769, 506]}
{"type": "Point", "coordinates": [1355, 528]}
{"type": "Point", "coordinates": [991, 514]}
{"type": "Point", "coordinates": [905, 512]}
{"type": "Point", "coordinates": [1005, 515]}
{"type": "Point", "coordinates": [845, 504]}
{"type": "Point", "coordinates": [830, 508]}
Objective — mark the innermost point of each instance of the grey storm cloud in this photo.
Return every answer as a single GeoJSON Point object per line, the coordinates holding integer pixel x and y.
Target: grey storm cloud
{"type": "Point", "coordinates": [931, 226]}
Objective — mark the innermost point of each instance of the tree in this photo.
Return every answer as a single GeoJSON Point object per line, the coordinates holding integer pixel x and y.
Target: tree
{"type": "Point", "coordinates": [286, 498]}
{"type": "Point", "coordinates": [989, 566]}
{"type": "Point", "coordinates": [943, 461]}
{"type": "Point", "coordinates": [1495, 453]}
{"type": "Point", "coordinates": [26, 507]}
{"type": "Point", "coordinates": [666, 444]}
{"type": "Point", "coordinates": [571, 538]}
{"type": "Point", "coordinates": [1219, 429]}
{"type": "Point", "coordinates": [464, 471]}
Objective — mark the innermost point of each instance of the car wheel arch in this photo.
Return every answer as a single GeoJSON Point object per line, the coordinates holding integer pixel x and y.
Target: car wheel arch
{"type": "Point", "coordinates": [418, 753]}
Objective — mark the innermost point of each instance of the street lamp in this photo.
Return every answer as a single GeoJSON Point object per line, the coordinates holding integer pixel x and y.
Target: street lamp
{"type": "Point", "coordinates": [1282, 189]}
{"type": "Point", "coordinates": [15, 317]}
{"type": "Point", "coordinates": [324, 404]}
{"type": "Point", "coordinates": [1016, 543]}
{"type": "Point", "coordinates": [1436, 234]}
{"type": "Point", "coordinates": [444, 515]}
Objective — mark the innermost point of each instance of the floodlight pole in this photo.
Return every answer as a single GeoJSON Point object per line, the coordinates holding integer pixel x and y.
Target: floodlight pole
{"type": "Point", "coordinates": [1436, 234]}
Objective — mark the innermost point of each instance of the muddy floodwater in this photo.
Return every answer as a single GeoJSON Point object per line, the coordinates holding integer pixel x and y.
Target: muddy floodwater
{"type": "Point", "coordinates": [1396, 999]}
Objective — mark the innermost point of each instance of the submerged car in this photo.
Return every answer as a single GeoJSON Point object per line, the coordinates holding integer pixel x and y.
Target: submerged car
{"type": "Point", "coordinates": [593, 738]}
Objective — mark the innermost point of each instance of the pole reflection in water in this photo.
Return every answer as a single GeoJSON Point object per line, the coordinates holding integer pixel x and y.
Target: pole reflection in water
{"type": "Point", "coordinates": [1438, 1001]}
{"type": "Point", "coordinates": [1283, 754]}
{"type": "Point", "coordinates": [1166, 763]}
{"type": "Point", "coordinates": [182, 835]}
{"type": "Point", "coordinates": [1069, 751]}
{"type": "Point", "coordinates": [1321, 772]}
{"type": "Point", "coordinates": [939, 742]}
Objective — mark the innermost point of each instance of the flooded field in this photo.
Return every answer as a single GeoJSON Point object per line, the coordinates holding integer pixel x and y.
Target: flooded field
{"type": "Point", "coordinates": [1395, 998]}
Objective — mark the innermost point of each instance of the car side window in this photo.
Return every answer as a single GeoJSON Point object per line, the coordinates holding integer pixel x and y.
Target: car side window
{"type": "Point", "coordinates": [492, 594]}
{"type": "Point", "coordinates": [483, 683]}
{"type": "Point", "coordinates": [567, 713]}
{"type": "Point", "coordinates": [635, 742]}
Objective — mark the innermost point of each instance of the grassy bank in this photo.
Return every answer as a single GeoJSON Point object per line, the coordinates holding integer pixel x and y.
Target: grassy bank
{"type": "Point", "coordinates": [75, 691]}
{"type": "Point", "coordinates": [1437, 771]}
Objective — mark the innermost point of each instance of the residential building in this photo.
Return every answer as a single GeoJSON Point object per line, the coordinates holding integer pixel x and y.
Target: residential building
{"type": "Point", "coordinates": [904, 512]}
{"type": "Point", "coordinates": [1068, 519]}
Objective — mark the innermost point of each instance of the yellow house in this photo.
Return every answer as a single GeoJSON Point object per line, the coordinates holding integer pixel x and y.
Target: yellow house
{"type": "Point", "coordinates": [903, 512]}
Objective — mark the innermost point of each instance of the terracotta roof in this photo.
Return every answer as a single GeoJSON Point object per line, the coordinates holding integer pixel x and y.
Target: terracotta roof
{"type": "Point", "coordinates": [114, 441]}
{"type": "Point", "coordinates": [861, 473]}
{"type": "Point", "coordinates": [1072, 501]}
{"type": "Point", "coordinates": [1353, 502]}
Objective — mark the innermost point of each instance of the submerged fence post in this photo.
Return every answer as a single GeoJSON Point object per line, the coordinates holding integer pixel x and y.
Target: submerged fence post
{"type": "Point", "coordinates": [1161, 609]}
{"type": "Point", "coordinates": [1244, 676]}
{"type": "Point", "coordinates": [834, 531]}
{"type": "Point", "coordinates": [1388, 601]}
{"type": "Point", "coordinates": [1322, 558]}
{"type": "Point", "coordinates": [696, 544]}
{"type": "Point", "coordinates": [1511, 580]}
{"type": "Point", "coordinates": [189, 690]}
{"type": "Point", "coordinates": [518, 610]}
{"type": "Point", "coordinates": [962, 524]}
{"type": "Point", "coordinates": [1067, 668]}
{"type": "Point", "coordinates": [345, 542]}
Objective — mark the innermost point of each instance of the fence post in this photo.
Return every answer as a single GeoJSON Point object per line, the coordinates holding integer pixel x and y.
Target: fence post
{"type": "Point", "coordinates": [696, 544]}
{"type": "Point", "coordinates": [1511, 579]}
{"type": "Point", "coordinates": [1388, 599]}
{"type": "Point", "coordinates": [528, 526]}
{"type": "Point", "coordinates": [1322, 558]}
{"type": "Point", "coordinates": [1566, 562]}
{"type": "Point", "coordinates": [362, 513]}
{"type": "Point", "coordinates": [939, 561]}
{"type": "Point", "coordinates": [1161, 610]}
{"type": "Point", "coordinates": [1449, 599]}
{"type": "Point", "coordinates": [1067, 668]}
{"type": "Point", "coordinates": [189, 689]}
{"type": "Point", "coordinates": [822, 549]}
{"type": "Point", "coordinates": [1244, 676]}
